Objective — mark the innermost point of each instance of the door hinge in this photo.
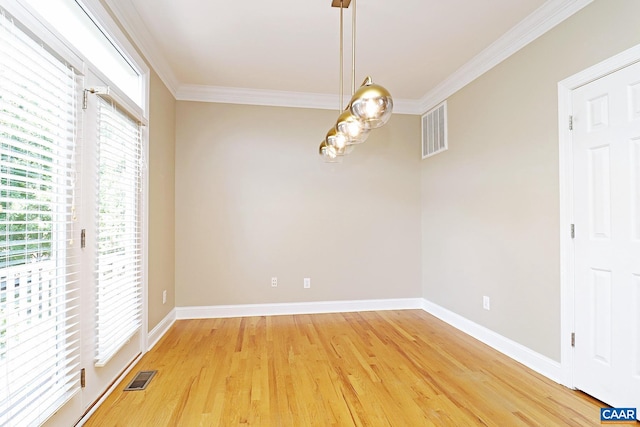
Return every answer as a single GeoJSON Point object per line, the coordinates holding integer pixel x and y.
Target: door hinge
{"type": "Point", "coordinates": [85, 95]}
{"type": "Point", "coordinates": [573, 339]}
{"type": "Point", "coordinates": [573, 231]}
{"type": "Point", "coordinates": [83, 378]}
{"type": "Point", "coordinates": [83, 238]}
{"type": "Point", "coordinates": [570, 122]}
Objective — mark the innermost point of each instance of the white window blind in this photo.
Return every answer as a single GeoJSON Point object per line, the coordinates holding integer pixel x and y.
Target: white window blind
{"type": "Point", "coordinates": [39, 347]}
{"type": "Point", "coordinates": [119, 251]}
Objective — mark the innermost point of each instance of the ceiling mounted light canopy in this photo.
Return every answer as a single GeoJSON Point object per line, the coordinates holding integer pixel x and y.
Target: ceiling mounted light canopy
{"type": "Point", "coordinates": [370, 106]}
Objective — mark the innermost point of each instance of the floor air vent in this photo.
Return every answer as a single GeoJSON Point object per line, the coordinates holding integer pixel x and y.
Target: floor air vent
{"type": "Point", "coordinates": [140, 381]}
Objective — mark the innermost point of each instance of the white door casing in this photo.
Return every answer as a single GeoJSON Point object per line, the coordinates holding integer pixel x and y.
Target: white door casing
{"type": "Point", "coordinates": [565, 110]}
{"type": "Point", "coordinates": [606, 154]}
{"type": "Point", "coordinates": [601, 196]}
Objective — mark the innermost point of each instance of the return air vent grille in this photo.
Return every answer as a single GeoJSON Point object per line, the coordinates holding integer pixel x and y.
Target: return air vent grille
{"type": "Point", "coordinates": [434, 131]}
{"type": "Point", "coordinates": [140, 381]}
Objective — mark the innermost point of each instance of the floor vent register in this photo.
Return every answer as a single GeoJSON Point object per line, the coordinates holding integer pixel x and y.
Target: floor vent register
{"type": "Point", "coordinates": [140, 381]}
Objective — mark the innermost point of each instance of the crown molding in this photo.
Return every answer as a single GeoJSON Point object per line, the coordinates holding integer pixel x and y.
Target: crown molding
{"type": "Point", "coordinates": [274, 98]}
{"type": "Point", "coordinates": [543, 19]}
{"type": "Point", "coordinates": [130, 20]}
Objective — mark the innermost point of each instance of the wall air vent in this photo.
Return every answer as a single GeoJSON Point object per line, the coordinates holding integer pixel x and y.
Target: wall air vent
{"type": "Point", "coordinates": [434, 131]}
{"type": "Point", "coordinates": [140, 381]}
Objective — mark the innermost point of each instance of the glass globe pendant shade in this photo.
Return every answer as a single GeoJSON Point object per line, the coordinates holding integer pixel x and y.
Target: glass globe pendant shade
{"type": "Point", "coordinates": [329, 154]}
{"type": "Point", "coordinates": [372, 104]}
{"type": "Point", "coordinates": [336, 139]}
{"type": "Point", "coordinates": [352, 127]}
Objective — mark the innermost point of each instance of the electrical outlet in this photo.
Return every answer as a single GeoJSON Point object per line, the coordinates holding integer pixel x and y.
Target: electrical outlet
{"type": "Point", "coordinates": [307, 282]}
{"type": "Point", "coordinates": [164, 297]}
{"type": "Point", "coordinates": [486, 303]}
{"type": "Point", "coordinates": [274, 282]}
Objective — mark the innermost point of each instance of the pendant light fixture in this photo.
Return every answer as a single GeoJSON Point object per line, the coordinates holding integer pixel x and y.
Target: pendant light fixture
{"type": "Point", "coordinates": [370, 106]}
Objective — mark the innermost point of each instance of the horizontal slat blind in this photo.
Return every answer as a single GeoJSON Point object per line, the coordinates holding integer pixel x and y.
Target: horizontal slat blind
{"type": "Point", "coordinates": [39, 347]}
{"type": "Point", "coordinates": [119, 252]}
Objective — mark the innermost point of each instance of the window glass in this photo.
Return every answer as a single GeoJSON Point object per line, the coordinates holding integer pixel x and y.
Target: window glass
{"type": "Point", "coordinates": [38, 340]}
{"type": "Point", "coordinates": [74, 24]}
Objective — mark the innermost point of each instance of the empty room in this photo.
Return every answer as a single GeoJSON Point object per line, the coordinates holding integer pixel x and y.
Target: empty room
{"type": "Point", "coordinates": [320, 212]}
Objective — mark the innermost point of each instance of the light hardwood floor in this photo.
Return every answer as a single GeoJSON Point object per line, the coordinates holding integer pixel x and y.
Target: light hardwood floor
{"type": "Point", "coordinates": [389, 368]}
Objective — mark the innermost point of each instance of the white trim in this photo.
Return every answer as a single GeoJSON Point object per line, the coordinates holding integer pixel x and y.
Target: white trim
{"type": "Point", "coordinates": [565, 109]}
{"type": "Point", "coordinates": [547, 16]}
{"type": "Point", "coordinates": [276, 98]}
{"type": "Point", "coordinates": [535, 361]}
{"type": "Point", "coordinates": [144, 336]}
{"type": "Point", "coordinates": [243, 310]}
{"type": "Point", "coordinates": [98, 12]}
{"type": "Point", "coordinates": [550, 14]}
{"type": "Point", "coordinates": [115, 95]}
{"type": "Point", "coordinates": [128, 16]}
{"type": "Point", "coordinates": [160, 329]}
{"type": "Point", "coordinates": [110, 390]}
{"type": "Point", "coordinates": [154, 336]}
{"type": "Point", "coordinates": [566, 243]}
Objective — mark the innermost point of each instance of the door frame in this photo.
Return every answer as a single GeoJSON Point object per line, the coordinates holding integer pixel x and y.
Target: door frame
{"type": "Point", "coordinates": [567, 271]}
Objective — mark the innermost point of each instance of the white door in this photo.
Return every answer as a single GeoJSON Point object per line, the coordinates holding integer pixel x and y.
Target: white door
{"type": "Point", "coordinates": [100, 370]}
{"type": "Point", "coordinates": [606, 180]}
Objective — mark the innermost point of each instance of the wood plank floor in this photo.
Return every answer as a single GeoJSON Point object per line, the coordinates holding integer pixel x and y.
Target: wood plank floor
{"type": "Point", "coordinates": [389, 368]}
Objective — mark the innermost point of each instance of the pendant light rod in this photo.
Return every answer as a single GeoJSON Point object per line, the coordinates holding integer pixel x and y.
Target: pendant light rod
{"type": "Point", "coordinates": [353, 49]}
{"type": "Point", "coordinates": [370, 106]}
{"type": "Point", "coordinates": [341, 91]}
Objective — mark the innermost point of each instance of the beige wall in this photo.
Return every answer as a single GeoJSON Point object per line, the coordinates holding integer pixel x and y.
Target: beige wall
{"type": "Point", "coordinates": [162, 130]}
{"type": "Point", "coordinates": [490, 204]}
{"type": "Point", "coordinates": [253, 200]}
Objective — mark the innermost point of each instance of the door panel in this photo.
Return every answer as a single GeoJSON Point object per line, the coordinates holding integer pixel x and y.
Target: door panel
{"type": "Point", "coordinates": [601, 302]}
{"type": "Point", "coordinates": [606, 163]}
{"type": "Point", "coordinates": [600, 193]}
{"type": "Point", "coordinates": [98, 378]}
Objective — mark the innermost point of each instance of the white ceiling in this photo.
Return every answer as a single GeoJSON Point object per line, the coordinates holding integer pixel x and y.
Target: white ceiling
{"type": "Point", "coordinates": [412, 47]}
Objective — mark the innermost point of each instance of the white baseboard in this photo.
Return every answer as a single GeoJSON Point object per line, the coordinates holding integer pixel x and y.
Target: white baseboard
{"type": "Point", "coordinates": [220, 311]}
{"type": "Point", "coordinates": [539, 363]}
{"type": "Point", "coordinates": [152, 339]}
{"type": "Point", "coordinates": [161, 328]}
{"type": "Point", "coordinates": [110, 390]}
{"type": "Point", "coordinates": [536, 361]}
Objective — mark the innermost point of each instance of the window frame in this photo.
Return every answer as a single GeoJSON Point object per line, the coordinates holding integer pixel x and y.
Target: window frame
{"type": "Point", "coordinates": [38, 28]}
{"type": "Point", "coordinates": [102, 18]}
